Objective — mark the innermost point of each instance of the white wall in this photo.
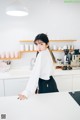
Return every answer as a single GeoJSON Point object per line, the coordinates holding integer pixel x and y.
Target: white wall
{"type": "Point", "coordinates": [58, 19]}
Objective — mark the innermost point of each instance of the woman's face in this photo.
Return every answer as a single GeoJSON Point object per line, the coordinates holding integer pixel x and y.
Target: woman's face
{"type": "Point", "coordinates": [41, 45]}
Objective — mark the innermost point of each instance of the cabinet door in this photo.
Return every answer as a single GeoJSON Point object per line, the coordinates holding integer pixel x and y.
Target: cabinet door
{"type": "Point", "coordinates": [64, 83]}
{"type": "Point", "coordinates": [1, 88]}
{"type": "Point", "coordinates": [76, 82]}
{"type": "Point", "coordinates": [15, 86]}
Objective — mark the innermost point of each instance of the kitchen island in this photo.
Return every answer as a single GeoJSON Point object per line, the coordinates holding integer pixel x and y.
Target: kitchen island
{"type": "Point", "coordinates": [50, 106]}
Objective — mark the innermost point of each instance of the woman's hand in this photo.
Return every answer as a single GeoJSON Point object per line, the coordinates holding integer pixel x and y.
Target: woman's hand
{"type": "Point", "coordinates": [22, 97]}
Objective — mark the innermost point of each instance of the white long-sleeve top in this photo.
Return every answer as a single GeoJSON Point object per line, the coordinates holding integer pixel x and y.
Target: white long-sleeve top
{"type": "Point", "coordinates": [43, 68]}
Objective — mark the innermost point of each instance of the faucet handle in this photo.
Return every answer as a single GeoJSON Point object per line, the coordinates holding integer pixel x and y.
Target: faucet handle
{"type": "Point", "coordinates": [32, 62]}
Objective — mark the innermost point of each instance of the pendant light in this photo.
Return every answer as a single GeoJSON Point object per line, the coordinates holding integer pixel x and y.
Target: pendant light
{"type": "Point", "coordinates": [17, 9]}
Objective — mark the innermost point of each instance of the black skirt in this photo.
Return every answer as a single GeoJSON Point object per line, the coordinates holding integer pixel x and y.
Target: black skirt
{"type": "Point", "coordinates": [47, 86]}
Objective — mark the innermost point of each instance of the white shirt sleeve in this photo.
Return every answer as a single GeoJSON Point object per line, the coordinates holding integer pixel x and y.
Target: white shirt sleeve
{"type": "Point", "coordinates": [33, 80]}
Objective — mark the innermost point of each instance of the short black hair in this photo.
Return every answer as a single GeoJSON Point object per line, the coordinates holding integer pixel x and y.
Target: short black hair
{"type": "Point", "coordinates": [43, 37]}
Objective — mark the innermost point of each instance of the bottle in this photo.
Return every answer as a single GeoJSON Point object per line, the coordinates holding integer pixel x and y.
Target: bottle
{"type": "Point", "coordinates": [22, 47]}
{"type": "Point", "coordinates": [35, 47]}
{"type": "Point", "coordinates": [7, 54]}
{"type": "Point", "coordinates": [11, 54]}
{"type": "Point", "coordinates": [31, 47]}
{"type": "Point", "coordinates": [15, 54]}
{"type": "Point", "coordinates": [2, 55]}
{"type": "Point", "coordinates": [26, 47]}
{"type": "Point", "coordinates": [72, 47]}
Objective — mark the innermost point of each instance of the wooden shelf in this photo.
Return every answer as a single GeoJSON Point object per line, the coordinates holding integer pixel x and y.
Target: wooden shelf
{"type": "Point", "coordinates": [21, 52]}
{"type": "Point", "coordinates": [14, 58]}
{"type": "Point", "coordinates": [62, 50]}
{"type": "Point", "coordinates": [26, 41]}
{"type": "Point", "coordinates": [36, 51]}
{"type": "Point", "coordinates": [78, 40]}
{"type": "Point", "coordinates": [50, 40]}
{"type": "Point", "coordinates": [27, 51]}
{"type": "Point", "coordinates": [51, 50]}
{"type": "Point", "coordinates": [63, 40]}
{"type": "Point", "coordinates": [57, 50]}
{"type": "Point", "coordinates": [10, 58]}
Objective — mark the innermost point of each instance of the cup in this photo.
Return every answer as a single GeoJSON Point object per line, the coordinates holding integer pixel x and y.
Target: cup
{"type": "Point", "coordinates": [26, 47]}
{"type": "Point", "coordinates": [59, 48]}
{"type": "Point", "coordinates": [65, 47]}
{"type": "Point", "coordinates": [54, 47]}
{"type": "Point", "coordinates": [72, 47]}
{"type": "Point", "coordinates": [12, 54]}
{"type": "Point", "coordinates": [31, 47]}
{"type": "Point", "coordinates": [16, 54]}
{"type": "Point", "coordinates": [2, 55]}
{"type": "Point", "coordinates": [68, 46]}
{"type": "Point", "coordinates": [22, 47]}
{"type": "Point", "coordinates": [35, 47]}
{"type": "Point", "coordinates": [7, 54]}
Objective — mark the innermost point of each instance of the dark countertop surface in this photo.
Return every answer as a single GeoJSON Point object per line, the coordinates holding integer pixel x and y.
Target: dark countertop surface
{"type": "Point", "coordinates": [76, 96]}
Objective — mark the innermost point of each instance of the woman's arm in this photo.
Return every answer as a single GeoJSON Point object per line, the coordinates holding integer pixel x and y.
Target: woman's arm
{"type": "Point", "coordinates": [33, 80]}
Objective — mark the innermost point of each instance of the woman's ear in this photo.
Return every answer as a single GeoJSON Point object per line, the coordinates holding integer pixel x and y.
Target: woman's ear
{"type": "Point", "coordinates": [47, 44]}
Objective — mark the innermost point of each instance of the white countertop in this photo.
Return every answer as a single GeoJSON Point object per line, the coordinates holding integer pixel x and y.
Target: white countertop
{"type": "Point", "coordinates": [66, 72]}
{"type": "Point", "coordinates": [16, 73]}
{"type": "Point", "coordinates": [50, 106]}
{"type": "Point", "coordinates": [25, 72]}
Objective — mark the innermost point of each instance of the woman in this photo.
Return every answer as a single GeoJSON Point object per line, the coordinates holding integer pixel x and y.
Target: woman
{"type": "Point", "coordinates": [41, 79]}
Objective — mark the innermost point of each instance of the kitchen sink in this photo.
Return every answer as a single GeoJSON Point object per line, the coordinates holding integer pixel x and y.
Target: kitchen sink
{"type": "Point", "coordinates": [19, 72]}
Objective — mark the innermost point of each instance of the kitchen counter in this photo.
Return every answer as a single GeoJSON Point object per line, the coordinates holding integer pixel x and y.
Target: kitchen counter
{"type": "Point", "coordinates": [50, 106]}
{"type": "Point", "coordinates": [16, 73]}
{"type": "Point", "coordinates": [66, 72]}
{"type": "Point", "coordinates": [26, 72]}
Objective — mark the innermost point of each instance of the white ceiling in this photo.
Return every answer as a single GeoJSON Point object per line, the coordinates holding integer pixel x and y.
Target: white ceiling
{"type": "Point", "coordinates": [35, 7]}
{"type": "Point", "coordinates": [31, 4]}
{"type": "Point", "coordinates": [4, 3]}
{"type": "Point", "coordinates": [44, 15]}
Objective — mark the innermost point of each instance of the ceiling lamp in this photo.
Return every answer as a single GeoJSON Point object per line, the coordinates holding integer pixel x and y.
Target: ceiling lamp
{"type": "Point", "coordinates": [17, 9]}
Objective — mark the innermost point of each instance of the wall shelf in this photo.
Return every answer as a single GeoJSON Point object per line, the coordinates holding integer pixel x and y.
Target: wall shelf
{"type": "Point", "coordinates": [62, 40]}
{"type": "Point", "coordinates": [13, 58]}
{"type": "Point", "coordinates": [51, 50]}
{"type": "Point", "coordinates": [50, 40]}
{"type": "Point", "coordinates": [21, 52]}
{"type": "Point", "coordinates": [28, 51]}
{"type": "Point", "coordinates": [10, 58]}
{"type": "Point", "coordinates": [27, 41]}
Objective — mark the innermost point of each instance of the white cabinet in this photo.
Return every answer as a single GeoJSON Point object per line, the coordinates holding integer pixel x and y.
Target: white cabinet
{"type": "Point", "coordinates": [64, 83]}
{"type": "Point", "coordinates": [15, 86]}
{"type": "Point", "coordinates": [1, 88]}
{"type": "Point", "coordinates": [76, 82]}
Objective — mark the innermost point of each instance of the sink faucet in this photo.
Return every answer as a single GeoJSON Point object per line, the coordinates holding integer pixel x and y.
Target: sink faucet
{"type": "Point", "coordinates": [32, 62]}
{"type": "Point", "coordinates": [8, 62]}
